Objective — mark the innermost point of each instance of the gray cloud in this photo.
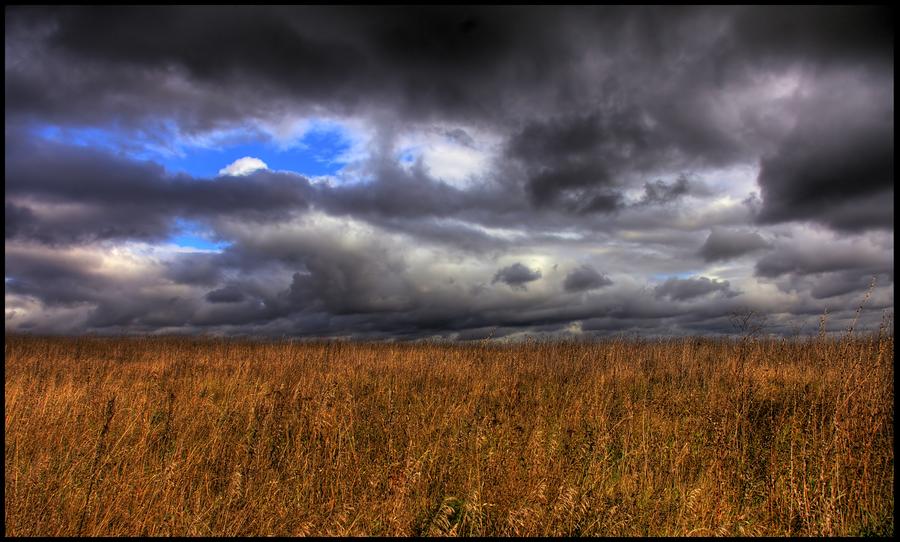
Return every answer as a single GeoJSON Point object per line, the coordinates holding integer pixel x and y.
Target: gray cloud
{"type": "Point", "coordinates": [816, 259]}
{"type": "Point", "coordinates": [517, 275]}
{"type": "Point", "coordinates": [227, 294]}
{"type": "Point", "coordinates": [723, 244]}
{"type": "Point", "coordinates": [684, 289]}
{"type": "Point", "coordinates": [840, 283]}
{"type": "Point", "coordinates": [834, 271]}
{"type": "Point", "coordinates": [659, 192]}
{"type": "Point", "coordinates": [194, 269]}
{"type": "Point", "coordinates": [583, 278]}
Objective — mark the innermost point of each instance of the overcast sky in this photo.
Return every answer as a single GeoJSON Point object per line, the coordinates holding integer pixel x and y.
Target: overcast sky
{"type": "Point", "coordinates": [447, 172]}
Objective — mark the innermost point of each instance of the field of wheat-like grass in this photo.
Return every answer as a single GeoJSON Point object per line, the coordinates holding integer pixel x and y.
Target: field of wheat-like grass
{"type": "Point", "coordinates": [178, 436]}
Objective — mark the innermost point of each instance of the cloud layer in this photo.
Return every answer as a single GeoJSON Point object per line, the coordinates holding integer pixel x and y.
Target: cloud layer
{"type": "Point", "coordinates": [507, 170]}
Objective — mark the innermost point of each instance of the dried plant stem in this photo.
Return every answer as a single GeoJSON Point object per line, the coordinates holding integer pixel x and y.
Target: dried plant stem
{"type": "Point", "coordinates": [110, 410]}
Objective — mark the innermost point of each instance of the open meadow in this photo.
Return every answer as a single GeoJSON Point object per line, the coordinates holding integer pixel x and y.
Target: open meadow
{"type": "Point", "coordinates": [185, 436]}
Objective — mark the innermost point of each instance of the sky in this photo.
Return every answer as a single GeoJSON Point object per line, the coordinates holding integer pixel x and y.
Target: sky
{"type": "Point", "coordinates": [451, 173]}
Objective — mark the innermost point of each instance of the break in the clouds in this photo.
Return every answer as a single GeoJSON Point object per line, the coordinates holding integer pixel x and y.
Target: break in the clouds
{"type": "Point", "coordinates": [458, 172]}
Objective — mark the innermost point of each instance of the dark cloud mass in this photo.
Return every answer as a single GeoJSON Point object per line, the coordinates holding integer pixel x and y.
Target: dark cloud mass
{"type": "Point", "coordinates": [837, 166]}
{"type": "Point", "coordinates": [684, 289]}
{"type": "Point", "coordinates": [726, 244]}
{"type": "Point", "coordinates": [228, 294]}
{"type": "Point", "coordinates": [585, 277]}
{"type": "Point", "coordinates": [516, 275]}
{"type": "Point", "coordinates": [496, 159]}
{"type": "Point", "coordinates": [660, 192]}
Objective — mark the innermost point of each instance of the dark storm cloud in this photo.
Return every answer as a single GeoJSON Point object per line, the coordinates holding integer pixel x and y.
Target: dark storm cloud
{"type": "Point", "coordinates": [394, 191]}
{"type": "Point", "coordinates": [835, 289]}
{"type": "Point", "coordinates": [576, 162]}
{"type": "Point", "coordinates": [344, 282]}
{"type": "Point", "coordinates": [57, 279]}
{"type": "Point", "coordinates": [824, 34]}
{"type": "Point", "coordinates": [19, 221]}
{"type": "Point", "coordinates": [723, 244]}
{"type": "Point", "coordinates": [805, 260]}
{"type": "Point", "coordinates": [837, 166]}
{"type": "Point", "coordinates": [485, 64]}
{"type": "Point", "coordinates": [228, 294]}
{"type": "Point", "coordinates": [659, 192]}
{"type": "Point", "coordinates": [843, 282]}
{"type": "Point", "coordinates": [127, 48]}
{"type": "Point", "coordinates": [197, 269]}
{"type": "Point", "coordinates": [422, 60]}
{"type": "Point", "coordinates": [683, 289]}
{"type": "Point", "coordinates": [583, 278]}
{"type": "Point", "coordinates": [460, 136]}
{"type": "Point", "coordinates": [835, 270]}
{"type": "Point", "coordinates": [517, 275]}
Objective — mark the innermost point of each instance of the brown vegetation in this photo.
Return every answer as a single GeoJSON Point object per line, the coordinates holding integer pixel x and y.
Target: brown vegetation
{"type": "Point", "coordinates": [168, 436]}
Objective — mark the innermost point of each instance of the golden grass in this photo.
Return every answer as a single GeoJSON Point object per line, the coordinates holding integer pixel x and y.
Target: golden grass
{"type": "Point", "coordinates": [174, 436]}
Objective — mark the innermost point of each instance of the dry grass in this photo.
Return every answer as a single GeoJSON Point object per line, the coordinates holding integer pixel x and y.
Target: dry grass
{"type": "Point", "coordinates": [681, 437]}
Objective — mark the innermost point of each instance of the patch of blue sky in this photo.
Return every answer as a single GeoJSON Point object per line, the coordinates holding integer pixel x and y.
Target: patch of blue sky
{"type": "Point", "coordinates": [408, 157]}
{"type": "Point", "coordinates": [191, 234]}
{"type": "Point", "coordinates": [80, 136]}
{"type": "Point", "coordinates": [320, 151]}
{"type": "Point", "coordinates": [317, 154]}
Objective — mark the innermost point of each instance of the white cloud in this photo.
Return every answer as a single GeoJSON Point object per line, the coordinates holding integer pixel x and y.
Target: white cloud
{"type": "Point", "coordinates": [453, 155]}
{"type": "Point", "coordinates": [243, 166]}
{"type": "Point", "coordinates": [453, 163]}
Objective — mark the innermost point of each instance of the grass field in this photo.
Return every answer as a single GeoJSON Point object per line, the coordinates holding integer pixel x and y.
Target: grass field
{"type": "Point", "coordinates": [176, 436]}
